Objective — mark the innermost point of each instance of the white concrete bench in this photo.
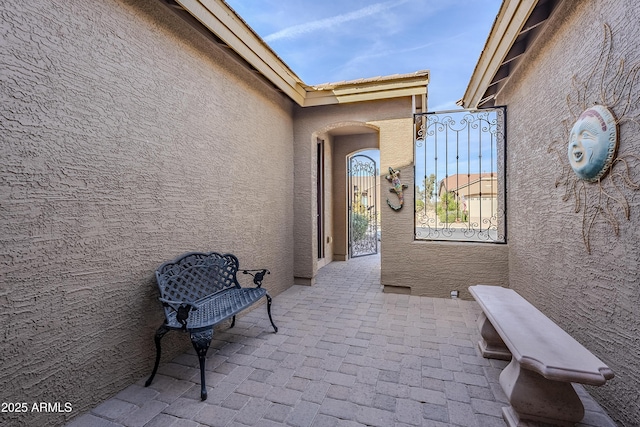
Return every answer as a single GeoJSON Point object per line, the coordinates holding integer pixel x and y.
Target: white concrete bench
{"type": "Point", "coordinates": [545, 360]}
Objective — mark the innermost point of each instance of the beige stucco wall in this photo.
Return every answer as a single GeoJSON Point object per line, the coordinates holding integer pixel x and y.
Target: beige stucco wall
{"type": "Point", "coordinates": [127, 139]}
{"type": "Point", "coordinates": [310, 124]}
{"type": "Point", "coordinates": [596, 297]}
{"type": "Point", "coordinates": [426, 268]}
{"type": "Point", "coordinates": [417, 267]}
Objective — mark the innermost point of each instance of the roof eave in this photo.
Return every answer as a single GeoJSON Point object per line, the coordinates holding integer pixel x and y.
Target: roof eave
{"type": "Point", "coordinates": [221, 20]}
{"type": "Point", "coordinates": [368, 90]}
{"type": "Point", "coordinates": [516, 27]}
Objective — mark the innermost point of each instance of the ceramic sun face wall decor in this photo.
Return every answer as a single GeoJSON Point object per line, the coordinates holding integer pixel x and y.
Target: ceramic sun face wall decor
{"type": "Point", "coordinates": [598, 174]}
{"type": "Point", "coordinates": [593, 142]}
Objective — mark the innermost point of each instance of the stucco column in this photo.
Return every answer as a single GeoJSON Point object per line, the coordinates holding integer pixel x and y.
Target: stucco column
{"type": "Point", "coordinates": [396, 151]}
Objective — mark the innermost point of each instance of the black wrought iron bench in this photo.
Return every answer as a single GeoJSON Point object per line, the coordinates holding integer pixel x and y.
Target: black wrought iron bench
{"type": "Point", "coordinates": [198, 291]}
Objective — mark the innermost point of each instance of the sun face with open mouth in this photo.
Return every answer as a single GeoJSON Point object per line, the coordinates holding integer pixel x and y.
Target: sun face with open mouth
{"type": "Point", "coordinates": [594, 174]}
{"type": "Point", "coordinates": [593, 141]}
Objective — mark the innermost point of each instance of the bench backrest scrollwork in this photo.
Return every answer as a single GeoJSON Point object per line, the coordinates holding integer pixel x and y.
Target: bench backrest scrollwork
{"type": "Point", "coordinates": [196, 275]}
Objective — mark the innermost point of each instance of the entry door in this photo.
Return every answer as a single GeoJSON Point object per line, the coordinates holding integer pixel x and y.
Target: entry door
{"type": "Point", "coordinates": [362, 205]}
{"type": "Point", "coordinates": [320, 198]}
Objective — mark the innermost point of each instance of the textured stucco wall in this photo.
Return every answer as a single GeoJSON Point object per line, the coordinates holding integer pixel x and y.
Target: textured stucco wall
{"type": "Point", "coordinates": [420, 267]}
{"type": "Point", "coordinates": [127, 139]}
{"type": "Point", "coordinates": [596, 297]}
{"type": "Point", "coordinates": [310, 124]}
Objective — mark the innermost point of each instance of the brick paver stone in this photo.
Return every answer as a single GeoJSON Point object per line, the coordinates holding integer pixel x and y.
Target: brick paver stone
{"type": "Point", "coordinates": [346, 354]}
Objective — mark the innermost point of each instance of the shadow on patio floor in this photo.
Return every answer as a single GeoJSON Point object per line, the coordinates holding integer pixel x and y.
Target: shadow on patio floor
{"type": "Point", "coordinates": [346, 354]}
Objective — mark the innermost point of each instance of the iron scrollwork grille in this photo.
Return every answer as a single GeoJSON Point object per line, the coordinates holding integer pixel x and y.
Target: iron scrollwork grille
{"type": "Point", "coordinates": [363, 206]}
{"type": "Point", "coordinates": [460, 176]}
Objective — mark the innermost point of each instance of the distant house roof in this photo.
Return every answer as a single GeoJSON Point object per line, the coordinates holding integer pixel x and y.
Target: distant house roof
{"type": "Point", "coordinates": [459, 181]}
{"type": "Point", "coordinates": [220, 22]}
{"type": "Point", "coordinates": [516, 26]}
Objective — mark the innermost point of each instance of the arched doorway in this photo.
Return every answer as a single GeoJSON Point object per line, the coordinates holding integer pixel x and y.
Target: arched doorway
{"type": "Point", "coordinates": [362, 204]}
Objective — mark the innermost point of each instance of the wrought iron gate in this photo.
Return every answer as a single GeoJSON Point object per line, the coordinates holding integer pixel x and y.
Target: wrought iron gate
{"type": "Point", "coordinates": [362, 205]}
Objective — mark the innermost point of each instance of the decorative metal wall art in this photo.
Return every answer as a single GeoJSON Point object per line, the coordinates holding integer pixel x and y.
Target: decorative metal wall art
{"type": "Point", "coordinates": [597, 173]}
{"type": "Point", "coordinates": [398, 188]}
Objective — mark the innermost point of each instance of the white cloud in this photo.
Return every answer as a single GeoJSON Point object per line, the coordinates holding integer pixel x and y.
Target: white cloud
{"type": "Point", "coordinates": [358, 64]}
{"type": "Point", "coordinates": [297, 30]}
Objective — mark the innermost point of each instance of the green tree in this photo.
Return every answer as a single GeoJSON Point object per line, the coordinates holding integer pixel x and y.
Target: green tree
{"type": "Point", "coordinates": [426, 189]}
{"type": "Point", "coordinates": [448, 210]}
{"type": "Point", "coordinates": [359, 226]}
{"type": "Point", "coordinates": [357, 204]}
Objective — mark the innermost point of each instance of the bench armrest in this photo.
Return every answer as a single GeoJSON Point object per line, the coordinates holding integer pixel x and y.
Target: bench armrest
{"type": "Point", "coordinates": [181, 308]}
{"type": "Point", "coordinates": [175, 304]}
{"type": "Point", "coordinates": [258, 275]}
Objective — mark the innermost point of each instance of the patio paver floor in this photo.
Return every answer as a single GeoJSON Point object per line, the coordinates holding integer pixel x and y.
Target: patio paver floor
{"type": "Point", "coordinates": [346, 354]}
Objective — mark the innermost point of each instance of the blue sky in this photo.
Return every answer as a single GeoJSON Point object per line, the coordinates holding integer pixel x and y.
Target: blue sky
{"type": "Point", "coordinates": [326, 41]}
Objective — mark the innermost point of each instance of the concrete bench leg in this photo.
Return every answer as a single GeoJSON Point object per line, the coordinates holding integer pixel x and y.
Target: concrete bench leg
{"type": "Point", "coordinates": [491, 345]}
{"type": "Point", "coordinates": [535, 399]}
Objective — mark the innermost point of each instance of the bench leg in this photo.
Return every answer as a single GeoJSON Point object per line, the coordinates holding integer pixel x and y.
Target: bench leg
{"type": "Point", "coordinates": [162, 330]}
{"type": "Point", "coordinates": [536, 400]}
{"type": "Point", "coordinates": [201, 341]}
{"type": "Point", "coordinates": [491, 345]}
{"type": "Point", "coordinates": [233, 322]}
{"type": "Point", "coordinates": [269, 312]}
